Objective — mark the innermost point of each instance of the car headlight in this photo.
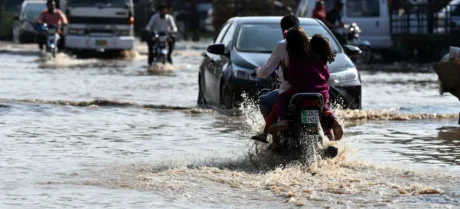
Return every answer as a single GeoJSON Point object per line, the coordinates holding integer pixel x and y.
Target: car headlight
{"type": "Point", "coordinates": [350, 74]}
{"type": "Point", "coordinates": [243, 73]}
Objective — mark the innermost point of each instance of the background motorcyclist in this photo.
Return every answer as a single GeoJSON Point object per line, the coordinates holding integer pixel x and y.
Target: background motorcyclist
{"type": "Point", "coordinates": [334, 19]}
{"type": "Point", "coordinates": [52, 16]}
{"type": "Point", "coordinates": [161, 22]}
{"type": "Point", "coordinates": [334, 16]}
{"type": "Point", "coordinates": [319, 12]}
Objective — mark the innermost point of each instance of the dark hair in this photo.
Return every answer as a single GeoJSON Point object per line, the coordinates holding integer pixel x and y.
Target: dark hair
{"type": "Point", "coordinates": [321, 47]}
{"type": "Point", "coordinates": [338, 3]}
{"type": "Point", "coordinates": [298, 45]}
{"type": "Point", "coordinates": [289, 21]}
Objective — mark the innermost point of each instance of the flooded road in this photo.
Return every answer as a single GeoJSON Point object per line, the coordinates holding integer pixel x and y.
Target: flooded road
{"type": "Point", "coordinates": [108, 133]}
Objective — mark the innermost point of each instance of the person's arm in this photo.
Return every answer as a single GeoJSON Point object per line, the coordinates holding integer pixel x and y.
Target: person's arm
{"type": "Point", "coordinates": [172, 25]}
{"type": "Point", "coordinates": [339, 19]}
{"type": "Point", "coordinates": [272, 62]}
{"type": "Point", "coordinates": [41, 18]}
{"type": "Point", "coordinates": [63, 18]}
{"type": "Point", "coordinates": [150, 24]}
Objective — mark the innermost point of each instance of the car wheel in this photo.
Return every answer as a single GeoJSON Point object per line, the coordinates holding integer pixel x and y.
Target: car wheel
{"type": "Point", "coordinates": [226, 96]}
{"type": "Point", "coordinates": [201, 100]}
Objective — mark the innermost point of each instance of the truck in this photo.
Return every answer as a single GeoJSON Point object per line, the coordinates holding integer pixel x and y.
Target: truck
{"type": "Point", "coordinates": [426, 30]}
{"type": "Point", "coordinates": [400, 31]}
{"type": "Point", "coordinates": [99, 25]}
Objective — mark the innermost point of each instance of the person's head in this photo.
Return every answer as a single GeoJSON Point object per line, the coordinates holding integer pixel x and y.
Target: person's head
{"type": "Point", "coordinates": [319, 4]}
{"type": "Point", "coordinates": [321, 47]}
{"type": "Point", "coordinates": [162, 9]}
{"type": "Point", "coordinates": [288, 22]}
{"type": "Point", "coordinates": [298, 45]}
{"type": "Point", "coordinates": [339, 5]}
{"type": "Point", "coordinates": [51, 5]}
{"type": "Point", "coordinates": [170, 8]}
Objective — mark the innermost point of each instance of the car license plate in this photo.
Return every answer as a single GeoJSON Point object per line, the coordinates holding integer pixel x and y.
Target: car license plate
{"type": "Point", "coordinates": [101, 42]}
{"type": "Point", "coordinates": [310, 116]}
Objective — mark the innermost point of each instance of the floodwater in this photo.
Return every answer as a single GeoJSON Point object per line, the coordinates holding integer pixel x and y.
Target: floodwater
{"type": "Point", "coordinates": [111, 133]}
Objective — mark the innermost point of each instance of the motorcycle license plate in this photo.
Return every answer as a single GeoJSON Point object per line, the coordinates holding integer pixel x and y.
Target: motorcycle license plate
{"type": "Point", "coordinates": [310, 116]}
{"type": "Point", "coordinates": [101, 42]}
{"type": "Point", "coordinates": [52, 31]}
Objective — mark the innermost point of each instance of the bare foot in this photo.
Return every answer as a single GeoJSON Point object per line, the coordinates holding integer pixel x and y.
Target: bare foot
{"type": "Point", "coordinates": [337, 129]}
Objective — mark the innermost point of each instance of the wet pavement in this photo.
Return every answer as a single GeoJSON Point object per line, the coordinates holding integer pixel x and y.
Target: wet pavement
{"type": "Point", "coordinates": [110, 133]}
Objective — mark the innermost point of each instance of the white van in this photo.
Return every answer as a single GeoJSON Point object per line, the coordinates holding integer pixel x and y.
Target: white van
{"type": "Point", "coordinates": [372, 16]}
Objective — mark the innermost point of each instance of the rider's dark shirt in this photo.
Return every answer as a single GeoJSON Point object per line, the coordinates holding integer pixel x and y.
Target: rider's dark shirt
{"type": "Point", "coordinates": [333, 16]}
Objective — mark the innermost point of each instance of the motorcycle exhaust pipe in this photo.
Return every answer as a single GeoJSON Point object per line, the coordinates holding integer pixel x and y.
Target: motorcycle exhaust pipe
{"type": "Point", "coordinates": [331, 152]}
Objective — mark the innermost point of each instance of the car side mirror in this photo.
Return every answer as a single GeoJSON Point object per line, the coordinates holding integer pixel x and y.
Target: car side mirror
{"type": "Point", "coordinates": [352, 51]}
{"type": "Point", "coordinates": [217, 49]}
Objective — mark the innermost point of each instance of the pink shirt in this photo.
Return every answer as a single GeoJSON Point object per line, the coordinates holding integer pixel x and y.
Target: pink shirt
{"type": "Point", "coordinates": [55, 18]}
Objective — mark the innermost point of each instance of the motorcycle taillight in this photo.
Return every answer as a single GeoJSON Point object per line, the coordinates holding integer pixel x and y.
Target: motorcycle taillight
{"type": "Point", "coordinates": [310, 103]}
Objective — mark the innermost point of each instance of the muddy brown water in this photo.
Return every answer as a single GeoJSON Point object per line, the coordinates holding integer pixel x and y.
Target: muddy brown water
{"type": "Point", "coordinates": [111, 133]}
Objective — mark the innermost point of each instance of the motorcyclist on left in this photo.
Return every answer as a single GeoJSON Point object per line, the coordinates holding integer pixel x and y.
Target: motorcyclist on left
{"type": "Point", "coordinates": [52, 16]}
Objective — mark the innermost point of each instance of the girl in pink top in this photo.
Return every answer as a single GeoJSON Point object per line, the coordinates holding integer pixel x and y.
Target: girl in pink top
{"type": "Point", "coordinates": [307, 73]}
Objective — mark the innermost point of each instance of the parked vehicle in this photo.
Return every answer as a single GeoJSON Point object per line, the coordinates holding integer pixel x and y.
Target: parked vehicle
{"type": "Point", "coordinates": [8, 10]}
{"type": "Point", "coordinates": [449, 16]}
{"type": "Point", "coordinates": [418, 30]}
{"type": "Point", "coordinates": [100, 25]}
{"type": "Point", "coordinates": [398, 32]}
{"type": "Point", "coordinates": [25, 24]}
{"type": "Point", "coordinates": [247, 42]}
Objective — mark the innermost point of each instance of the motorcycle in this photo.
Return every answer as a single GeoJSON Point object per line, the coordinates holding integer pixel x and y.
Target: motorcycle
{"type": "Point", "coordinates": [160, 48]}
{"type": "Point", "coordinates": [52, 37]}
{"type": "Point", "coordinates": [349, 34]}
{"type": "Point", "coordinates": [302, 141]}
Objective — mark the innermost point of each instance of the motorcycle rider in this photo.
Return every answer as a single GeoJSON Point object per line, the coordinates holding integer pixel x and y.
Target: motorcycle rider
{"type": "Point", "coordinates": [268, 101]}
{"type": "Point", "coordinates": [334, 19]}
{"type": "Point", "coordinates": [335, 15]}
{"type": "Point", "coordinates": [52, 16]}
{"type": "Point", "coordinates": [161, 22]}
{"type": "Point", "coordinates": [319, 12]}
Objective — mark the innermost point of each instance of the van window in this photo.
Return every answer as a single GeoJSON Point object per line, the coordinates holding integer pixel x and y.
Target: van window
{"type": "Point", "coordinates": [363, 8]}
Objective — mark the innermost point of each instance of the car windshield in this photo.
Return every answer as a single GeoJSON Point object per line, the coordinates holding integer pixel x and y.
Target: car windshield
{"type": "Point", "coordinates": [261, 38]}
{"type": "Point", "coordinates": [32, 11]}
{"type": "Point", "coordinates": [105, 2]}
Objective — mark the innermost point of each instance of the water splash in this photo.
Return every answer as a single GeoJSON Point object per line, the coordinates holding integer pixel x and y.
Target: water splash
{"type": "Point", "coordinates": [160, 69]}
{"type": "Point", "coordinates": [61, 60]}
